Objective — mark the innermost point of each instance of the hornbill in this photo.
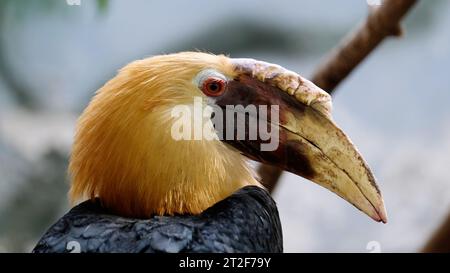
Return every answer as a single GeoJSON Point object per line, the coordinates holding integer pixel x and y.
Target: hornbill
{"type": "Point", "coordinates": [147, 190]}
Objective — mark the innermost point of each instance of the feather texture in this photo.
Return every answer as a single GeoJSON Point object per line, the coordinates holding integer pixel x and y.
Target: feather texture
{"type": "Point", "coordinates": [246, 221]}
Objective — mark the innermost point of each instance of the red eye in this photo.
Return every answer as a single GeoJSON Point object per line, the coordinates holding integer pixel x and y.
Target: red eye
{"type": "Point", "coordinates": [213, 87]}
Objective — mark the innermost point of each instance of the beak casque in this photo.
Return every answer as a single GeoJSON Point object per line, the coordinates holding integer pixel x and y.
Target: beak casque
{"type": "Point", "coordinates": [310, 143]}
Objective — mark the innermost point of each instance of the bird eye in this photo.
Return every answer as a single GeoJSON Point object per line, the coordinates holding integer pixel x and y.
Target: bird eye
{"type": "Point", "coordinates": [214, 87]}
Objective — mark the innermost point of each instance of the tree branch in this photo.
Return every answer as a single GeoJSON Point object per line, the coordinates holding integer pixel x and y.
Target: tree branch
{"type": "Point", "coordinates": [440, 241]}
{"type": "Point", "coordinates": [382, 22]}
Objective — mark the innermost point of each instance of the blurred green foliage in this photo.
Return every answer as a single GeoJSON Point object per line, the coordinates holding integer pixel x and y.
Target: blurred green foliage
{"type": "Point", "coordinates": [20, 8]}
{"type": "Point", "coordinates": [13, 11]}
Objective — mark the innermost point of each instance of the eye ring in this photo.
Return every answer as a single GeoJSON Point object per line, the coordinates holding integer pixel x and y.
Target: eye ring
{"type": "Point", "coordinates": [214, 87]}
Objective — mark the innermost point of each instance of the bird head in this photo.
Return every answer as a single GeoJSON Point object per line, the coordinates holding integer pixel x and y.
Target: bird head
{"type": "Point", "coordinates": [172, 134]}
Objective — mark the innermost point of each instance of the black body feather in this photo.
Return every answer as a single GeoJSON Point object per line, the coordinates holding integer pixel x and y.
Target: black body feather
{"type": "Point", "coordinates": [247, 221]}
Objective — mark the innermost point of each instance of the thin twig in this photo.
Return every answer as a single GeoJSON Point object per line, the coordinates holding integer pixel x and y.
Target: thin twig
{"type": "Point", "coordinates": [382, 22]}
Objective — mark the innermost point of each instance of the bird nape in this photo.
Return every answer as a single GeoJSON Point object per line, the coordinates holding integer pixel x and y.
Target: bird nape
{"type": "Point", "coordinates": [161, 153]}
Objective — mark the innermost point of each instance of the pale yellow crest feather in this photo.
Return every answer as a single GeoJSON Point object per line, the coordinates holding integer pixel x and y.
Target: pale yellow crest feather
{"type": "Point", "coordinates": [123, 151]}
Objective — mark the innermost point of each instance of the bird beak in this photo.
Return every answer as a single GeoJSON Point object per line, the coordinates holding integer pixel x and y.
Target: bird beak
{"type": "Point", "coordinates": [303, 139]}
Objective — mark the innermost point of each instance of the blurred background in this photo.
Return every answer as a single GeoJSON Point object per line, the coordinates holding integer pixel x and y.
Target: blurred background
{"type": "Point", "coordinates": [395, 106]}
